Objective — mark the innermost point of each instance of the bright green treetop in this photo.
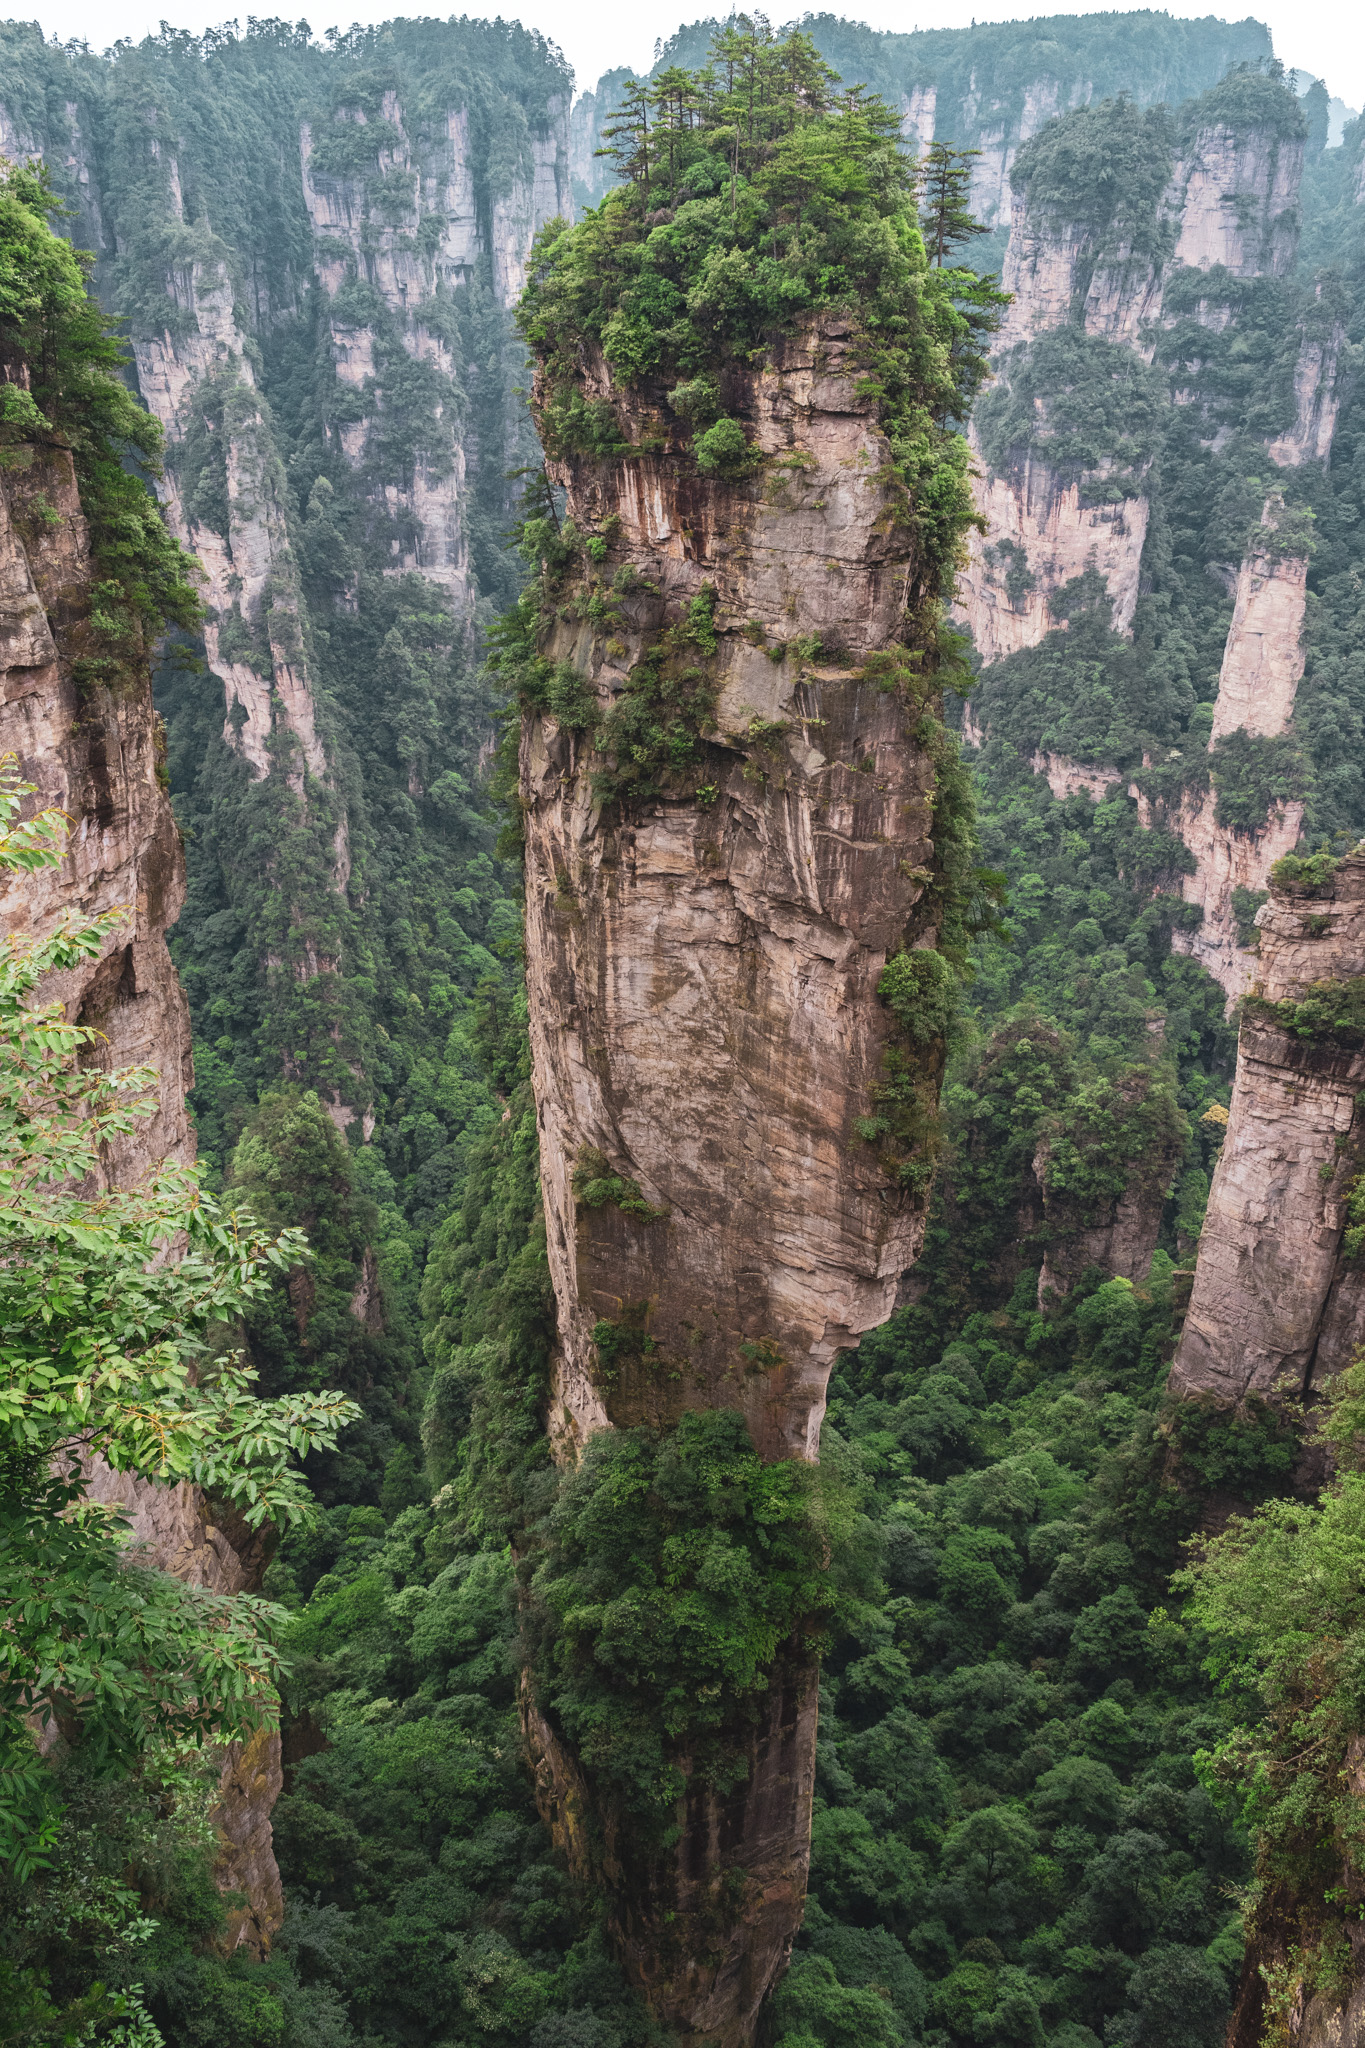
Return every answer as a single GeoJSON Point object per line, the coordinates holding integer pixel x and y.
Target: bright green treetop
{"type": "Point", "coordinates": [756, 193]}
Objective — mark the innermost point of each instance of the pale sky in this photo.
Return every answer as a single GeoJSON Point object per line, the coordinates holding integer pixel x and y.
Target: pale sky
{"type": "Point", "coordinates": [1326, 37]}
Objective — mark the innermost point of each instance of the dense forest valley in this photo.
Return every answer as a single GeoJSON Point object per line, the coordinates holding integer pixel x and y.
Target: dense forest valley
{"type": "Point", "coordinates": [690, 764]}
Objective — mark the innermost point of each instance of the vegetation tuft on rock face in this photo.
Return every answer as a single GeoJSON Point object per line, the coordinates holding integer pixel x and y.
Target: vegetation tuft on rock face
{"type": "Point", "coordinates": [756, 193]}
{"type": "Point", "coordinates": [62, 361]}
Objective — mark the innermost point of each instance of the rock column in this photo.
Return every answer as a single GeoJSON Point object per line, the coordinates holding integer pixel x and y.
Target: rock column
{"type": "Point", "coordinates": [702, 971]}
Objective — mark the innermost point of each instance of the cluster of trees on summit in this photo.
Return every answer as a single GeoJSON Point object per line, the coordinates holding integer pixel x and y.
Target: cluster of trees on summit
{"type": "Point", "coordinates": [1057, 1735]}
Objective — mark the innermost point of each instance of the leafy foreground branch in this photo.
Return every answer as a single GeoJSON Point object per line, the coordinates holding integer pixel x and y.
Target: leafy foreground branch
{"type": "Point", "coordinates": [112, 1305]}
{"type": "Point", "coordinates": [1282, 1597]}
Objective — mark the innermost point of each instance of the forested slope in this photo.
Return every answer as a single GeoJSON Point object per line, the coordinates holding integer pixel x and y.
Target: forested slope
{"type": "Point", "coordinates": [1017, 1837]}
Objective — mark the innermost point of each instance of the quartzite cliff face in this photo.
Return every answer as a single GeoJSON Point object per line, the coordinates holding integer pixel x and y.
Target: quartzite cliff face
{"type": "Point", "coordinates": [702, 972]}
{"type": "Point", "coordinates": [95, 753]}
{"type": "Point", "coordinates": [1278, 1306]}
{"type": "Point", "coordinates": [1228, 212]}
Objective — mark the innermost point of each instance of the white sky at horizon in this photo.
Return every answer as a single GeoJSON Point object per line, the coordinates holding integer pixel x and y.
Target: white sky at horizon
{"type": "Point", "coordinates": [1324, 37]}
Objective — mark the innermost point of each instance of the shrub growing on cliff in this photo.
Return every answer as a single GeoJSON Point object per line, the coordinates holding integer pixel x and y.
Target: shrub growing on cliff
{"type": "Point", "coordinates": [1080, 402]}
{"type": "Point", "coordinates": [1279, 1596]}
{"type": "Point", "coordinates": [757, 194]}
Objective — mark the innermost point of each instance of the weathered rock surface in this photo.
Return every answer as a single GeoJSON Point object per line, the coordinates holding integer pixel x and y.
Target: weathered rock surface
{"type": "Point", "coordinates": [702, 976]}
{"type": "Point", "coordinates": [252, 635]}
{"type": "Point", "coordinates": [1225, 860]}
{"type": "Point", "coordinates": [415, 254]}
{"type": "Point", "coordinates": [1120, 1245]}
{"type": "Point", "coordinates": [1034, 517]}
{"type": "Point", "coordinates": [1239, 196]}
{"type": "Point", "coordinates": [1263, 662]}
{"type": "Point", "coordinates": [703, 1951]}
{"type": "Point", "coordinates": [1066, 777]}
{"type": "Point", "coordinates": [245, 1869]}
{"type": "Point", "coordinates": [1264, 656]}
{"type": "Point", "coordinates": [95, 753]}
{"type": "Point", "coordinates": [1319, 377]}
{"type": "Point", "coordinates": [1276, 1306]}
{"type": "Point", "coordinates": [1231, 205]}
{"type": "Point", "coordinates": [1289, 1931]}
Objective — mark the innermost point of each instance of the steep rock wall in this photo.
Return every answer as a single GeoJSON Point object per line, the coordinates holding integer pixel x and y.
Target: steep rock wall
{"type": "Point", "coordinates": [1319, 377]}
{"type": "Point", "coordinates": [415, 251]}
{"type": "Point", "coordinates": [1239, 196]}
{"type": "Point", "coordinates": [1263, 662]}
{"type": "Point", "coordinates": [1230, 208]}
{"type": "Point", "coordinates": [1035, 516]}
{"type": "Point", "coordinates": [702, 975]}
{"type": "Point", "coordinates": [96, 754]}
{"type": "Point", "coordinates": [700, 972]}
{"type": "Point", "coordinates": [1263, 659]}
{"type": "Point", "coordinates": [1225, 860]}
{"type": "Point", "coordinates": [1276, 1305]}
{"type": "Point", "coordinates": [198, 372]}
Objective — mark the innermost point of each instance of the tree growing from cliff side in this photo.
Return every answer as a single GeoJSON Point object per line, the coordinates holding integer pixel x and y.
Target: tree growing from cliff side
{"type": "Point", "coordinates": [109, 1306]}
{"type": "Point", "coordinates": [946, 210]}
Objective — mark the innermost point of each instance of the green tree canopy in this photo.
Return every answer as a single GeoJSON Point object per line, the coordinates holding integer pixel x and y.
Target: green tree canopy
{"type": "Point", "coordinates": [111, 1304]}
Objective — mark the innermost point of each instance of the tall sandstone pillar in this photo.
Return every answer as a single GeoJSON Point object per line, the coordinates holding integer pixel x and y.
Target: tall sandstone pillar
{"type": "Point", "coordinates": [1278, 1305]}
{"type": "Point", "coordinates": [702, 969]}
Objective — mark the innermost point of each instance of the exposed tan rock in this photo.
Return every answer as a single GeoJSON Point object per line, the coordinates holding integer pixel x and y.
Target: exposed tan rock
{"type": "Point", "coordinates": [412, 274]}
{"type": "Point", "coordinates": [1032, 510]}
{"type": "Point", "coordinates": [94, 754]}
{"type": "Point", "coordinates": [918, 109]}
{"type": "Point", "coordinates": [1003, 127]}
{"type": "Point", "coordinates": [246, 1870]}
{"type": "Point", "coordinates": [1123, 299]}
{"type": "Point", "coordinates": [1318, 382]}
{"type": "Point", "coordinates": [702, 979]}
{"type": "Point", "coordinates": [1263, 661]}
{"type": "Point", "coordinates": [1040, 270]}
{"type": "Point", "coordinates": [1271, 1284]}
{"type": "Point", "coordinates": [702, 984]}
{"type": "Point", "coordinates": [1043, 268]}
{"type": "Point", "coordinates": [1239, 196]}
{"type": "Point", "coordinates": [252, 585]}
{"type": "Point", "coordinates": [176, 1529]}
{"type": "Point", "coordinates": [1225, 860]}
{"type": "Point", "coordinates": [1066, 777]}
{"type": "Point", "coordinates": [1264, 655]}
{"type": "Point", "coordinates": [1121, 1245]}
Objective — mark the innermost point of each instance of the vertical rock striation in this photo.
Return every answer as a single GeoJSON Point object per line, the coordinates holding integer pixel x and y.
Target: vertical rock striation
{"type": "Point", "coordinates": [1210, 205]}
{"type": "Point", "coordinates": [1239, 200]}
{"type": "Point", "coordinates": [96, 753]}
{"type": "Point", "coordinates": [1043, 529]}
{"type": "Point", "coordinates": [702, 973]}
{"type": "Point", "coordinates": [703, 977]}
{"type": "Point", "coordinates": [1278, 1304]}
